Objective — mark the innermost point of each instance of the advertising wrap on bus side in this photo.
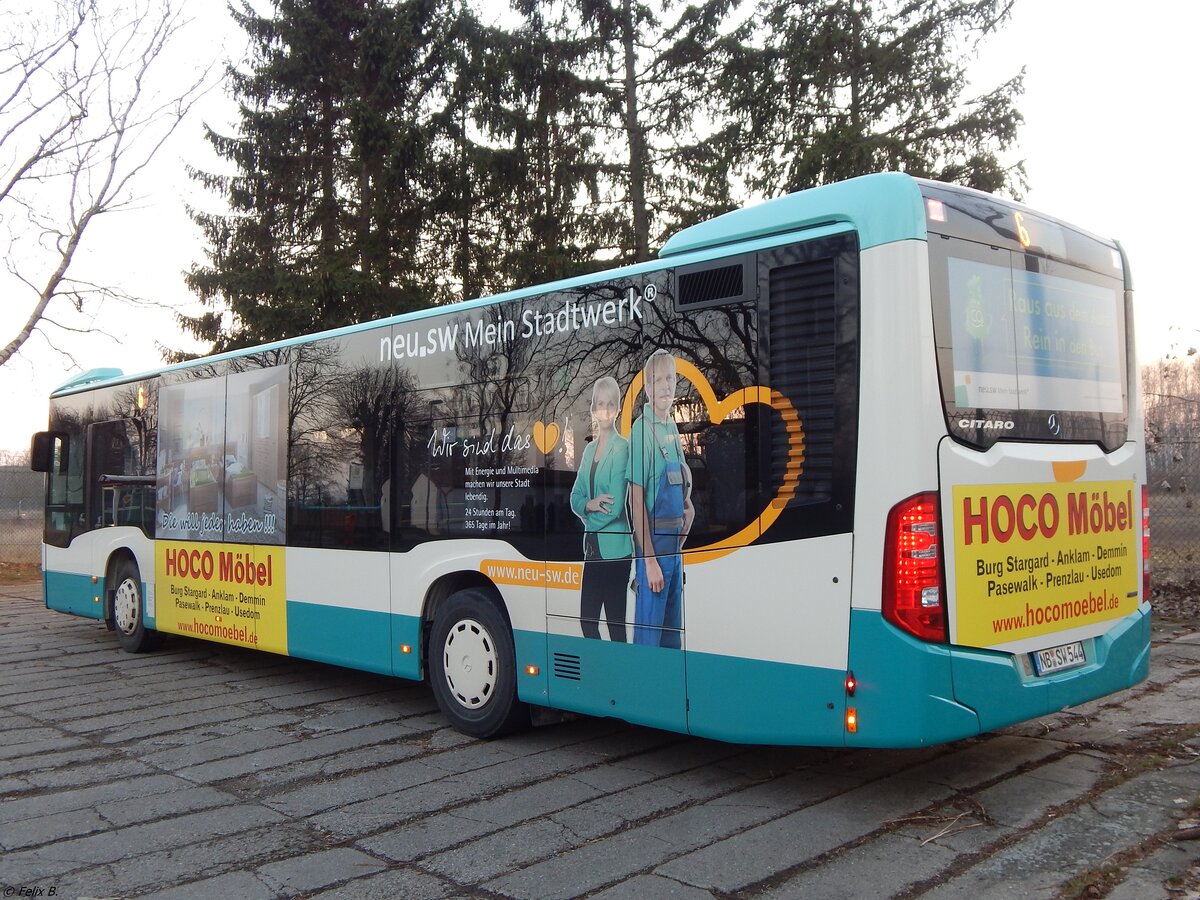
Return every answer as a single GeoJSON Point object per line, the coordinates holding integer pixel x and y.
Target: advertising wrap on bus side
{"type": "Point", "coordinates": [230, 593]}
{"type": "Point", "coordinates": [857, 466]}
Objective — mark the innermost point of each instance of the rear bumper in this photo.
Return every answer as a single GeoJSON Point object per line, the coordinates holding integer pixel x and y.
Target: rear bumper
{"type": "Point", "coordinates": [1002, 690]}
{"type": "Point", "coordinates": [911, 693]}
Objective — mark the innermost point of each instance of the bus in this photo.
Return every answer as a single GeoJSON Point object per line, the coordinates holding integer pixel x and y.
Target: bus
{"type": "Point", "coordinates": [862, 465]}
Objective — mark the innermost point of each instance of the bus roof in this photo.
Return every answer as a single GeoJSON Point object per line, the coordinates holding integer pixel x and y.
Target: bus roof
{"type": "Point", "coordinates": [882, 208]}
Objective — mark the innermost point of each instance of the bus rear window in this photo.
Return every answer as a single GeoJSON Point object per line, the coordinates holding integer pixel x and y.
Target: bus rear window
{"type": "Point", "coordinates": [1028, 348]}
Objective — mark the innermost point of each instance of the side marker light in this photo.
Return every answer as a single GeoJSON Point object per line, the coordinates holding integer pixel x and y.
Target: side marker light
{"type": "Point", "coordinates": [851, 719]}
{"type": "Point", "coordinates": [532, 670]}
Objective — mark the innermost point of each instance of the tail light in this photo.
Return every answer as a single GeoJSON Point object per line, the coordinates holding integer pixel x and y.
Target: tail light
{"type": "Point", "coordinates": [913, 591]}
{"type": "Point", "coordinates": [1145, 543]}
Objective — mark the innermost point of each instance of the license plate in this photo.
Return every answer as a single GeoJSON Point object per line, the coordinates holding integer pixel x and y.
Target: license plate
{"type": "Point", "coordinates": [1055, 659]}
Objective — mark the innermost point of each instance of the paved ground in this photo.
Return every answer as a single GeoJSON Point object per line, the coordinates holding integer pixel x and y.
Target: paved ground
{"type": "Point", "coordinates": [206, 771]}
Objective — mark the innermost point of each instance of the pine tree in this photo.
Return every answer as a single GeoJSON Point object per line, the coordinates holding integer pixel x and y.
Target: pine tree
{"type": "Point", "coordinates": [839, 88]}
{"type": "Point", "coordinates": [548, 117]}
{"type": "Point", "coordinates": [394, 154]}
{"type": "Point", "coordinates": [673, 163]}
{"type": "Point", "coordinates": [520, 157]}
{"type": "Point", "coordinates": [336, 175]}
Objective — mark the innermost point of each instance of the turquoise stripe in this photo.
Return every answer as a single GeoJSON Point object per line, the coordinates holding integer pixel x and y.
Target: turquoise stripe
{"type": "Point", "coordinates": [905, 694]}
{"type": "Point", "coordinates": [640, 684]}
{"type": "Point", "coordinates": [911, 693]}
{"type": "Point", "coordinates": [530, 649]}
{"type": "Point", "coordinates": [406, 632]}
{"type": "Point", "coordinates": [760, 702]}
{"type": "Point", "coordinates": [356, 638]}
{"type": "Point", "coordinates": [882, 208]}
{"type": "Point", "coordinates": [74, 594]}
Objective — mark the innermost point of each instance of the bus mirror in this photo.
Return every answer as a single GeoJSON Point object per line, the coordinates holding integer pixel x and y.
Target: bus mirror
{"type": "Point", "coordinates": [48, 452]}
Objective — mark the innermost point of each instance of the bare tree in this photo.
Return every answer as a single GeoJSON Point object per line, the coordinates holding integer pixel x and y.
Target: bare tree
{"type": "Point", "coordinates": [14, 458]}
{"type": "Point", "coordinates": [80, 118]}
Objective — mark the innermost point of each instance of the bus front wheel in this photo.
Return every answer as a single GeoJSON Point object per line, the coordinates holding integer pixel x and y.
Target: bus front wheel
{"type": "Point", "coordinates": [472, 666]}
{"type": "Point", "coordinates": [128, 611]}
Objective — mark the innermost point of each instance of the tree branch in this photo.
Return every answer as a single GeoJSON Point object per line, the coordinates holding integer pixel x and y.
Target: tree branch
{"type": "Point", "coordinates": [81, 121]}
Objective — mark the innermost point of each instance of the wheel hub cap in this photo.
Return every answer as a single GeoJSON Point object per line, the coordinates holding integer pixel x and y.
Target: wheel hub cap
{"type": "Point", "coordinates": [470, 661]}
{"type": "Point", "coordinates": [125, 606]}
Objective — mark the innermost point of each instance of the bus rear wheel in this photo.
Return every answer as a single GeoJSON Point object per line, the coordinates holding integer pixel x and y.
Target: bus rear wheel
{"type": "Point", "coordinates": [128, 611]}
{"type": "Point", "coordinates": [472, 666]}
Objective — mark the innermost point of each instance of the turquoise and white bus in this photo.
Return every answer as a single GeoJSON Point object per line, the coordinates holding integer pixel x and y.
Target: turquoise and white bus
{"type": "Point", "coordinates": [858, 466]}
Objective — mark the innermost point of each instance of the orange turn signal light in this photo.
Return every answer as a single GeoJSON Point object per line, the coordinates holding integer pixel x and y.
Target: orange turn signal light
{"type": "Point", "coordinates": [851, 719]}
{"type": "Point", "coordinates": [532, 670]}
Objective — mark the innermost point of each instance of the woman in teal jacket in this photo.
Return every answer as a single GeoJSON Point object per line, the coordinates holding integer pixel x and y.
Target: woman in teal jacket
{"type": "Point", "coordinates": [598, 498]}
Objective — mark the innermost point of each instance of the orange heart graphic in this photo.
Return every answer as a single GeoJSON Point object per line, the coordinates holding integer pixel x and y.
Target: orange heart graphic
{"type": "Point", "coordinates": [717, 411]}
{"type": "Point", "coordinates": [545, 437]}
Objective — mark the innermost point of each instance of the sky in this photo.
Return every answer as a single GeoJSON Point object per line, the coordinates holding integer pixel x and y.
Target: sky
{"type": "Point", "coordinates": [1106, 99]}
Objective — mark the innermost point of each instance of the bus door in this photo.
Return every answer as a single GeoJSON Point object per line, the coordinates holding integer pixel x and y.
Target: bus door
{"type": "Point", "coordinates": [116, 491]}
{"type": "Point", "coordinates": [120, 479]}
{"type": "Point", "coordinates": [108, 454]}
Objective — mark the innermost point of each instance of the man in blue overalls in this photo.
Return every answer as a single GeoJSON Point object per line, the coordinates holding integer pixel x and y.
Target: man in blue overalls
{"type": "Point", "coordinates": [661, 505]}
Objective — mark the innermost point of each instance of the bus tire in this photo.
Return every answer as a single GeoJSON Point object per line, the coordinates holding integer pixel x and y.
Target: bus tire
{"type": "Point", "coordinates": [472, 666]}
{"type": "Point", "coordinates": [128, 611]}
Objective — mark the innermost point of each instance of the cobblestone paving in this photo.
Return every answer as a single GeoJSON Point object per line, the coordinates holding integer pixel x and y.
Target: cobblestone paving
{"type": "Point", "coordinates": [207, 771]}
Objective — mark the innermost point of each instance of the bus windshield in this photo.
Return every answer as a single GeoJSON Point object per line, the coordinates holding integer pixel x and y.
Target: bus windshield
{"type": "Point", "coordinates": [1030, 343]}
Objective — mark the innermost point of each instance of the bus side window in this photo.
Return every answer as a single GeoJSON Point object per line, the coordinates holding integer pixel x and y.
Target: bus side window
{"type": "Point", "coordinates": [713, 335]}
{"type": "Point", "coordinates": [111, 454]}
{"type": "Point", "coordinates": [56, 459]}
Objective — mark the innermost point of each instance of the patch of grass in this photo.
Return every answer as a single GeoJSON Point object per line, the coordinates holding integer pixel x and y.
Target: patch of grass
{"type": "Point", "coordinates": [1097, 882]}
{"type": "Point", "coordinates": [1152, 752]}
{"type": "Point", "coordinates": [1100, 881]}
{"type": "Point", "coordinates": [1185, 884]}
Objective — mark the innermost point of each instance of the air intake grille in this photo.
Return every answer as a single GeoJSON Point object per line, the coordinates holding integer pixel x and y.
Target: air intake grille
{"type": "Point", "coordinates": [803, 368]}
{"type": "Point", "coordinates": [709, 285]}
{"type": "Point", "coordinates": [566, 665]}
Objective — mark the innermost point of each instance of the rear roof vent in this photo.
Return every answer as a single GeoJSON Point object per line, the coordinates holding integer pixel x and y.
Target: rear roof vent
{"type": "Point", "coordinates": [729, 280]}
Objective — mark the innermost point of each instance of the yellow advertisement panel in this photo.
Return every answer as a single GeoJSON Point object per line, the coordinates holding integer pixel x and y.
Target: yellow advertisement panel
{"type": "Point", "coordinates": [231, 593]}
{"type": "Point", "coordinates": [1036, 559]}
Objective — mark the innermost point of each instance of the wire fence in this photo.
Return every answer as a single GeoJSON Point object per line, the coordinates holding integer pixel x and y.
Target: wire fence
{"type": "Point", "coordinates": [1173, 473]}
{"type": "Point", "coordinates": [21, 498]}
{"type": "Point", "coordinates": [1173, 469]}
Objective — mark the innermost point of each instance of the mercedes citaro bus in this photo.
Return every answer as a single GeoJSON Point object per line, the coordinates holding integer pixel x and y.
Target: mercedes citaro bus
{"type": "Point", "coordinates": [859, 466]}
